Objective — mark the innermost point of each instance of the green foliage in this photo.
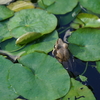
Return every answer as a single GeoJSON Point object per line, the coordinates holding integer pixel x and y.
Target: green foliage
{"type": "Point", "coordinates": [58, 6]}
{"type": "Point", "coordinates": [68, 17]}
{"type": "Point", "coordinates": [93, 5]}
{"type": "Point", "coordinates": [4, 34]}
{"type": "Point", "coordinates": [83, 78]}
{"type": "Point", "coordinates": [20, 5]}
{"type": "Point", "coordinates": [33, 21]}
{"type": "Point", "coordinates": [79, 91]}
{"type": "Point", "coordinates": [45, 82]}
{"type": "Point", "coordinates": [30, 34]}
{"type": "Point", "coordinates": [86, 20]}
{"type": "Point", "coordinates": [7, 92]}
{"type": "Point", "coordinates": [43, 44]}
{"type": "Point", "coordinates": [98, 66]}
{"type": "Point", "coordinates": [84, 44]}
{"type": "Point", "coordinates": [5, 13]}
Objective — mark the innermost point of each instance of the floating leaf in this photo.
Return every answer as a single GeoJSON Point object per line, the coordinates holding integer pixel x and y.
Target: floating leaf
{"type": "Point", "coordinates": [87, 20]}
{"type": "Point", "coordinates": [84, 44]}
{"type": "Point", "coordinates": [83, 78]}
{"type": "Point", "coordinates": [79, 91]}
{"type": "Point", "coordinates": [43, 78]}
{"type": "Point", "coordinates": [93, 5]}
{"type": "Point", "coordinates": [43, 44]}
{"type": "Point", "coordinates": [67, 18]}
{"type": "Point", "coordinates": [58, 6]}
{"type": "Point", "coordinates": [32, 20]}
{"type": "Point", "coordinates": [5, 13]}
{"type": "Point", "coordinates": [4, 32]}
{"type": "Point", "coordinates": [20, 5]}
{"type": "Point", "coordinates": [28, 37]}
{"type": "Point", "coordinates": [6, 90]}
{"type": "Point", "coordinates": [98, 66]}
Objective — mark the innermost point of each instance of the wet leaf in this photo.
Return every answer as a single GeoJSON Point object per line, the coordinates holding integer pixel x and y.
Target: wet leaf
{"type": "Point", "coordinates": [4, 34]}
{"type": "Point", "coordinates": [83, 78]}
{"type": "Point", "coordinates": [43, 44]}
{"type": "Point", "coordinates": [67, 18]}
{"type": "Point", "coordinates": [27, 38]}
{"type": "Point", "coordinates": [98, 66]}
{"type": "Point", "coordinates": [5, 13]}
{"type": "Point", "coordinates": [58, 6]}
{"type": "Point", "coordinates": [86, 20]}
{"type": "Point", "coordinates": [6, 90]}
{"type": "Point", "coordinates": [84, 44]}
{"type": "Point", "coordinates": [20, 5]}
{"type": "Point", "coordinates": [43, 78]}
{"type": "Point", "coordinates": [93, 5]}
{"type": "Point", "coordinates": [79, 91]}
{"type": "Point", "coordinates": [32, 20]}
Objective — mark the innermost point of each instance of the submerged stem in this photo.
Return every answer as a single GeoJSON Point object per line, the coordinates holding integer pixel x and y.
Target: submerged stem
{"type": "Point", "coordinates": [85, 68]}
{"type": "Point", "coordinates": [63, 30]}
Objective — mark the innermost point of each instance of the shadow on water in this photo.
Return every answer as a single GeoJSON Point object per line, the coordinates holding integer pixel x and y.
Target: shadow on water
{"type": "Point", "coordinates": [76, 67]}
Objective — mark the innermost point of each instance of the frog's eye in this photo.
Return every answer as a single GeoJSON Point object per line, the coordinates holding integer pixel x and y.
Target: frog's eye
{"type": "Point", "coordinates": [28, 37]}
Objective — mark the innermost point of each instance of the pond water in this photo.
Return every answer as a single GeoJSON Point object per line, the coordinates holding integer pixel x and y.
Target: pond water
{"type": "Point", "coordinates": [77, 67]}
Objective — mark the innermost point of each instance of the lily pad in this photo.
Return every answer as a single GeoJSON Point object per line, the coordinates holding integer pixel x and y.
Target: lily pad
{"type": "Point", "coordinates": [93, 5]}
{"type": "Point", "coordinates": [43, 44]}
{"type": "Point", "coordinates": [30, 21]}
{"type": "Point", "coordinates": [58, 6]}
{"type": "Point", "coordinates": [43, 78]}
{"type": "Point", "coordinates": [79, 91]}
{"type": "Point", "coordinates": [87, 20]}
{"type": "Point", "coordinates": [20, 5]}
{"type": "Point", "coordinates": [67, 18]}
{"type": "Point", "coordinates": [5, 33]}
{"type": "Point", "coordinates": [6, 90]}
{"type": "Point", "coordinates": [5, 13]}
{"type": "Point", "coordinates": [83, 78]}
{"type": "Point", "coordinates": [98, 66]}
{"type": "Point", "coordinates": [84, 44]}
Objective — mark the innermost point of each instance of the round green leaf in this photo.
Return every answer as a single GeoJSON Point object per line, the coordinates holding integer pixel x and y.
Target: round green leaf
{"type": "Point", "coordinates": [79, 91]}
{"type": "Point", "coordinates": [85, 43]}
{"type": "Point", "coordinates": [28, 37]}
{"type": "Point", "coordinates": [43, 78]}
{"type": "Point", "coordinates": [5, 12]}
{"type": "Point", "coordinates": [6, 90]}
{"type": "Point", "coordinates": [83, 78]}
{"type": "Point", "coordinates": [58, 6]}
{"type": "Point", "coordinates": [89, 20]}
{"type": "Point", "coordinates": [43, 44]}
{"type": "Point", "coordinates": [67, 18]}
{"type": "Point", "coordinates": [4, 34]}
{"type": "Point", "coordinates": [32, 20]}
{"type": "Point", "coordinates": [93, 5]}
{"type": "Point", "coordinates": [20, 5]}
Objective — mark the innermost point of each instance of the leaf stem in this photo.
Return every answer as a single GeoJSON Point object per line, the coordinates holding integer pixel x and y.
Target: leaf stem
{"type": "Point", "coordinates": [62, 30]}
{"type": "Point", "coordinates": [85, 68]}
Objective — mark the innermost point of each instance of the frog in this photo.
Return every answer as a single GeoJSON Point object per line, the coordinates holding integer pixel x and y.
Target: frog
{"type": "Point", "coordinates": [60, 51]}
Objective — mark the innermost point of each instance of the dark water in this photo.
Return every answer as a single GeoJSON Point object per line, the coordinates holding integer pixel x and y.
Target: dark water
{"type": "Point", "coordinates": [77, 68]}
